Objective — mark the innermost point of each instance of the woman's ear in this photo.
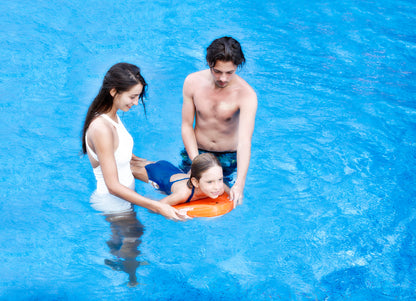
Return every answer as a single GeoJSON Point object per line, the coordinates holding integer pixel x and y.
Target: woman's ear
{"type": "Point", "coordinates": [113, 92]}
{"type": "Point", "coordinates": [194, 182]}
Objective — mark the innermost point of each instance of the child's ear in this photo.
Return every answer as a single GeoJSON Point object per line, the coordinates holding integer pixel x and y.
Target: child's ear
{"type": "Point", "coordinates": [113, 92]}
{"type": "Point", "coordinates": [194, 182]}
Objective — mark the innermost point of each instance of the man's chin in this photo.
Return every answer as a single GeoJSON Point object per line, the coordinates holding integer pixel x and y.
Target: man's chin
{"type": "Point", "coordinates": [221, 85]}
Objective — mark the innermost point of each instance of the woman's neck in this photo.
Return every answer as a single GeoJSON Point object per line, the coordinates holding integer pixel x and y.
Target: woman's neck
{"type": "Point", "coordinates": [112, 114]}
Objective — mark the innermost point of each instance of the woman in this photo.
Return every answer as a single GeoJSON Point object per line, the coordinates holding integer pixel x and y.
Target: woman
{"type": "Point", "coordinates": [109, 146]}
{"type": "Point", "coordinates": [205, 180]}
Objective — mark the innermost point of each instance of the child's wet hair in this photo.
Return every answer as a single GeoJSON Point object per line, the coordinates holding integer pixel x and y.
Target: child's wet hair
{"type": "Point", "coordinates": [201, 164]}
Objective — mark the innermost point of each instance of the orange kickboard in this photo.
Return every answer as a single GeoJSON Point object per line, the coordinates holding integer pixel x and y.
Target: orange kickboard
{"type": "Point", "coordinates": [207, 207]}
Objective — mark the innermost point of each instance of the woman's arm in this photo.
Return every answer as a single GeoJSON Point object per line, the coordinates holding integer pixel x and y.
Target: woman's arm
{"type": "Point", "coordinates": [102, 137]}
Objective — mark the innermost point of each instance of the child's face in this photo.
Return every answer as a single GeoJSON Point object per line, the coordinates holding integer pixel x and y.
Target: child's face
{"type": "Point", "coordinates": [211, 182]}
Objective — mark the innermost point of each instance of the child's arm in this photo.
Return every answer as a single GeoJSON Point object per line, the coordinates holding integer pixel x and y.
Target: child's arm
{"type": "Point", "coordinates": [175, 198]}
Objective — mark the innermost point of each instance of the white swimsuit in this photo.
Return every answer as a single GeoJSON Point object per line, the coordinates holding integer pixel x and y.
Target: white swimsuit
{"type": "Point", "coordinates": [101, 199]}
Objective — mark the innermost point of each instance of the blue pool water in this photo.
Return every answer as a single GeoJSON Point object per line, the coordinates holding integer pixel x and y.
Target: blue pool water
{"type": "Point", "coordinates": [329, 211]}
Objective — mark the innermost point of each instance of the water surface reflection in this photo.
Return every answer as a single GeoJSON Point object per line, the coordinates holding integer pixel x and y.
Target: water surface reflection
{"type": "Point", "coordinates": [126, 231]}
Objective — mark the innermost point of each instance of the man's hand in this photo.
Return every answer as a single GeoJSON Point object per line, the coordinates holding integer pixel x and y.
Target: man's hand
{"type": "Point", "coordinates": [236, 193]}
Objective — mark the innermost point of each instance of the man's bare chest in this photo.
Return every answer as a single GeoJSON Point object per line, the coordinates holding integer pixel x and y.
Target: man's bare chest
{"type": "Point", "coordinates": [220, 110]}
{"type": "Point", "coordinates": [216, 105]}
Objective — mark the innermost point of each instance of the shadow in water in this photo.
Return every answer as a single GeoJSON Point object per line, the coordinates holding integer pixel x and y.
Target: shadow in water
{"type": "Point", "coordinates": [126, 231]}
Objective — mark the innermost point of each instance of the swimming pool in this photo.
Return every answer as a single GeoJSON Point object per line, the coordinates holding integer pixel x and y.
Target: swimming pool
{"type": "Point", "coordinates": [329, 211]}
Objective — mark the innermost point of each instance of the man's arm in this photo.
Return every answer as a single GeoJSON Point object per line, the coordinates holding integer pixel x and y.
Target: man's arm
{"type": "Point", "coordinates": [245, 132]}
{"type": "Point", "coordinates": [188, 116]}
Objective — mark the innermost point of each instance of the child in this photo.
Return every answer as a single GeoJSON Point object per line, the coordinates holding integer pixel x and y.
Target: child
{"type": "Point", "coordinates": [205, 180]}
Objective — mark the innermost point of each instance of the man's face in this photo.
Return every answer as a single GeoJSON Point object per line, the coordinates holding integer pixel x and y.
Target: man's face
{"type": "Point", "coordinates": [223, 73]}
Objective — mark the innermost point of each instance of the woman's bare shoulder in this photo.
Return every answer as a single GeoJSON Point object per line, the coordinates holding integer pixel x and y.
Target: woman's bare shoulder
{"type": "Point", "coordinates": [98, 127]}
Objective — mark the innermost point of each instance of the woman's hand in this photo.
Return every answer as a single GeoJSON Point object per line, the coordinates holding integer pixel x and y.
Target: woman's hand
{"type": "Point", "coordinates": [171, 213]}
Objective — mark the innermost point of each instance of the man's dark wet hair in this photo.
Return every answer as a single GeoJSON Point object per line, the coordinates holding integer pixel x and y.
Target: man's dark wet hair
{"type": "Point", "coordinates": [225, 49]}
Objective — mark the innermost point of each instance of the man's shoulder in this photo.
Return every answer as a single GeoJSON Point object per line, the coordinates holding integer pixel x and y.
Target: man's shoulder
{"type": "Point", "coordinates": [196, 80]}
{"type": "Point", "coordinates": [202, 74]}
{"type": "Point", "coordinates": [244, 87]}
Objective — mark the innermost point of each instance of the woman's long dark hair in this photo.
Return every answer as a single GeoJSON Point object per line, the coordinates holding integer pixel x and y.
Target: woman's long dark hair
{"type": "Point", "coordinates": [122, 77]}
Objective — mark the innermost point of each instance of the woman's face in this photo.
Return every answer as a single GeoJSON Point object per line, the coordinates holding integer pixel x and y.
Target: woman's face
{"type": "Point", "coordinates": [211, 182]}
{"type": "Point", "coordinates": [126, 100]}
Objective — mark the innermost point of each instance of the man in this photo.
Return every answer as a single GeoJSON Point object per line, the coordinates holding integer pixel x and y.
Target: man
{"type": "Point", "coordinates": [223, 107]}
